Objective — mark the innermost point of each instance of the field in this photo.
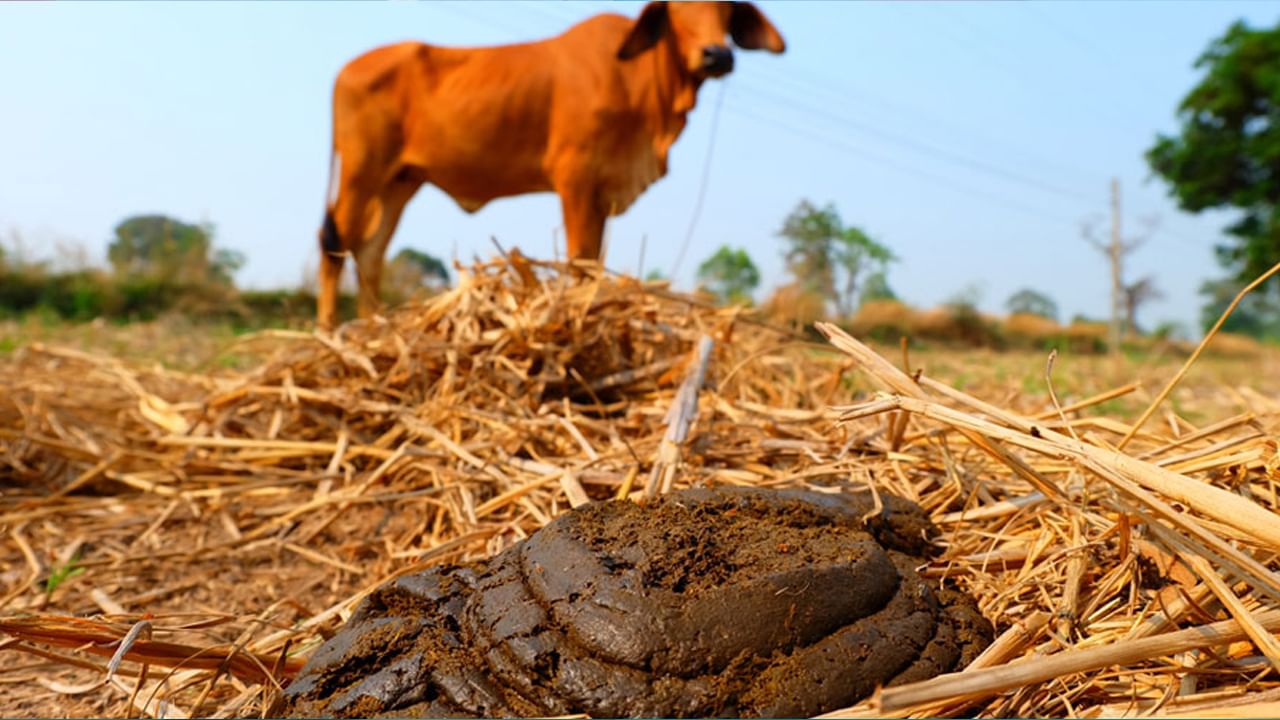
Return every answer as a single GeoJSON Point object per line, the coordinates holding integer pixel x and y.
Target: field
{"type": "Point", "coordinates": [187, 512]}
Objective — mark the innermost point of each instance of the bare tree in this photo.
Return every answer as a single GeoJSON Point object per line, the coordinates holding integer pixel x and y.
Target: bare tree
{"type": "Point", "coordinates": [1136, 295]}
{"type": "Point", "coordinates": [1116, 249]}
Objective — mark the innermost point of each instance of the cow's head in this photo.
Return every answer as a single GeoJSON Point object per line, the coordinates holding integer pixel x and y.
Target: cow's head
{"type": "Point", "coordinates": [698, 30]}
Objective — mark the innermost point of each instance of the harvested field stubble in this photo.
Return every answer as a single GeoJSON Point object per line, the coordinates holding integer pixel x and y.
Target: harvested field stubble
{"type": "Point", "coordinates": [179, 543]}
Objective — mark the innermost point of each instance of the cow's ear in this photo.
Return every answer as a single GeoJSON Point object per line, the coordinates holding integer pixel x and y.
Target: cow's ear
{"type": "Point", "coordinates": [646, 32]}
{"type": "Point", "coordinates": [751, 30]}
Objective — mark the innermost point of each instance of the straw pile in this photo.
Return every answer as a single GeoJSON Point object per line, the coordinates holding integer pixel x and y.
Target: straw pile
{"type": "Point", "coordinates": [177, 544]}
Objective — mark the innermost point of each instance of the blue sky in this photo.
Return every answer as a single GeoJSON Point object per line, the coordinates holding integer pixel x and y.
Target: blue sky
{"type": "Point", "coordinates": [971, 138]}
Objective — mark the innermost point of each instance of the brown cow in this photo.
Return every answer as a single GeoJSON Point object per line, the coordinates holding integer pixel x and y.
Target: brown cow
{"type": "Point", "coordinates": [589, 114]}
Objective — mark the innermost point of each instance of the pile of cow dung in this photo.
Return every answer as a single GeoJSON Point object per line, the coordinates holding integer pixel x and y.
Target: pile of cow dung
{"type": "Point", "coordinates": [619, 609]}
{"type": "Point", "coordinates": [182, 543]}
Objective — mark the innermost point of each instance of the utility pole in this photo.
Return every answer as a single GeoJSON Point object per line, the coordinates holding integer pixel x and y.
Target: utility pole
{"type": "Point", "coordinates": [1115, 249]}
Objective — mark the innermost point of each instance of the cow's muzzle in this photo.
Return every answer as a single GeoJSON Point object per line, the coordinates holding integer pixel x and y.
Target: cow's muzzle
{"type": "Point", "coordinates": [717, 60]}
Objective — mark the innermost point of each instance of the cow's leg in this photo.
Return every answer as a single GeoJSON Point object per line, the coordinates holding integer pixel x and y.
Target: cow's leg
{"type": "Point", "coordinates": [327, 292]}
{"type": "Point", "coordinates": [372, 255]}
{"type": "Point", "coordinates": [583, 221]}
{"type": "Point", "coordinates": [352, 210]}
{"type": "Point", "coordinates": [343, 232]}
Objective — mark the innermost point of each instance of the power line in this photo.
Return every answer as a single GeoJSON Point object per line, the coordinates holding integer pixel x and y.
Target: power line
{"type": "Point", "coordinates": [810, 83]}
{"type": "Point", "coordinates": [1016, 65]}
{"type": "Point", "coordinates": [563, 21]}
{"type": "Point", "coordinates": [924, 148]}
{"type": "Point", "coordinates": [1090, 50]}
{"type": "Point", "coordinates": [1177, 235]}
{"type": "Point", "coordinates": [828, 141]}
{"type": "Point", "coordinates": [946, 29]}
{"type": "Point", "coordinates": [1100, 55]}
{"type": "Point", "coordinates": [467, 11]}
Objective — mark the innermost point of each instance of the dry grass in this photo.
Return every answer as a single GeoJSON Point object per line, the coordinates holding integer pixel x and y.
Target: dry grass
{"type": "Point", "coordinates": [174, 341]}
{"type": "Point", "coordinates": [1237, 345]}
{"type": "Point", "coordinates": [204, 532]}
{"type": "Point", "coordinates": [1029, 329]}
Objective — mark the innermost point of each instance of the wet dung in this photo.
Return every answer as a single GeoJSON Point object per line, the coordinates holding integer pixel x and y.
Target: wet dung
{"type": "Point", "coordinates": [735, 601]}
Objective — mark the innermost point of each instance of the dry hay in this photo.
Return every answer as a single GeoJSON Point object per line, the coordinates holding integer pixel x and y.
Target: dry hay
{"type": "Point", "coordinates": [208, 531]}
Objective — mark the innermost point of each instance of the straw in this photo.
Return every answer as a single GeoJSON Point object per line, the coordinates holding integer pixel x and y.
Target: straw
{"type": "Point", "coordinates": [243, 514]}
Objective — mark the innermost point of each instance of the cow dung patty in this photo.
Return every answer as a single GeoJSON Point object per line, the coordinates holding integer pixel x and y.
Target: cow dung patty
{"type": "Point", "coordinates": [732, 601]}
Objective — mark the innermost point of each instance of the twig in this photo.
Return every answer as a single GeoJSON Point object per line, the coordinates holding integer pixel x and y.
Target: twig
{"type": "Point", "coordinates": [1219, 504]}
{"type": "Point", "coordinates": [684, 408]}
{"type": "Point", "coordinates": [1168, 388]}
{"type": "Point", "coordinates": [1025, 672]}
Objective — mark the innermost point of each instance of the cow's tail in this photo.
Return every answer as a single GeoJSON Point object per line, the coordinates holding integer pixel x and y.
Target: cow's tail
{"type": "Point", "coordinates": [330, 241]}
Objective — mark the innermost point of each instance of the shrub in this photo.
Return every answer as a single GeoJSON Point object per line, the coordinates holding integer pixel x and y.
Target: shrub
{"type": "Point", "coordinates": [1033, 331]}
{"type": "Point", "coordinates": [1234, 345]}
{"type": "Point", "coordinates": [1087, 337]}
{"type": "Point", "coordinates": [84, 295]}
{"type": "Point", "coordinates": [958, 323]}
{"type": "Point", "coordinates": [882, 320]}
{"type": "Point", "coordinates": [795, 306]}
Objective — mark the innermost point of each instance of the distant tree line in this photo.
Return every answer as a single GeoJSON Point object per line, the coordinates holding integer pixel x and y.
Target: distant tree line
{"type": "Point", "coordinates": [159, 264]}
{"type": "Point", "coordinates": [839, 272]}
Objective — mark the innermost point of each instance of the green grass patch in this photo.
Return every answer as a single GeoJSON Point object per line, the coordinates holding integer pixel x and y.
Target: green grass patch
{"type": "Point", "coordinates": [63, 573]}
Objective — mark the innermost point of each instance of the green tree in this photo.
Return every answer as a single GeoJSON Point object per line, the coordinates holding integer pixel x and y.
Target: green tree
{"type": "Point", "coordinates": [1137, 294]}
{"type": "Point", "coordinates": [827, 257]}
{"type": "Point", "coordinates": [1257, 314]}
{"type": "Point", "coordinates": [967, 323]}
{"type": "Point", "coordinates": [1032, 302]}
{"type": "Point", "coordinates": [225, 263]}
{"type": "Point", "coordinates": [1170, 330]}
{"type": "Point", "coordinates": [810, 233]}
{"type": "Point", "coordinates": [729, 274]}
{"type": "Point", "coordinates": [966, 297]}
{"type": "Point", "coordinates": [856, 253]}
{"type": "Point", "coordinates": [431, 267]}
{"type": "Point", "coordinates": [1226, 153]}
{"type": "Point", "coordinates": [162, 247]}
{"type": "Point", "coordinates": [876, 287]}
{"type": "Point", "coordinates": [411, 270]}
